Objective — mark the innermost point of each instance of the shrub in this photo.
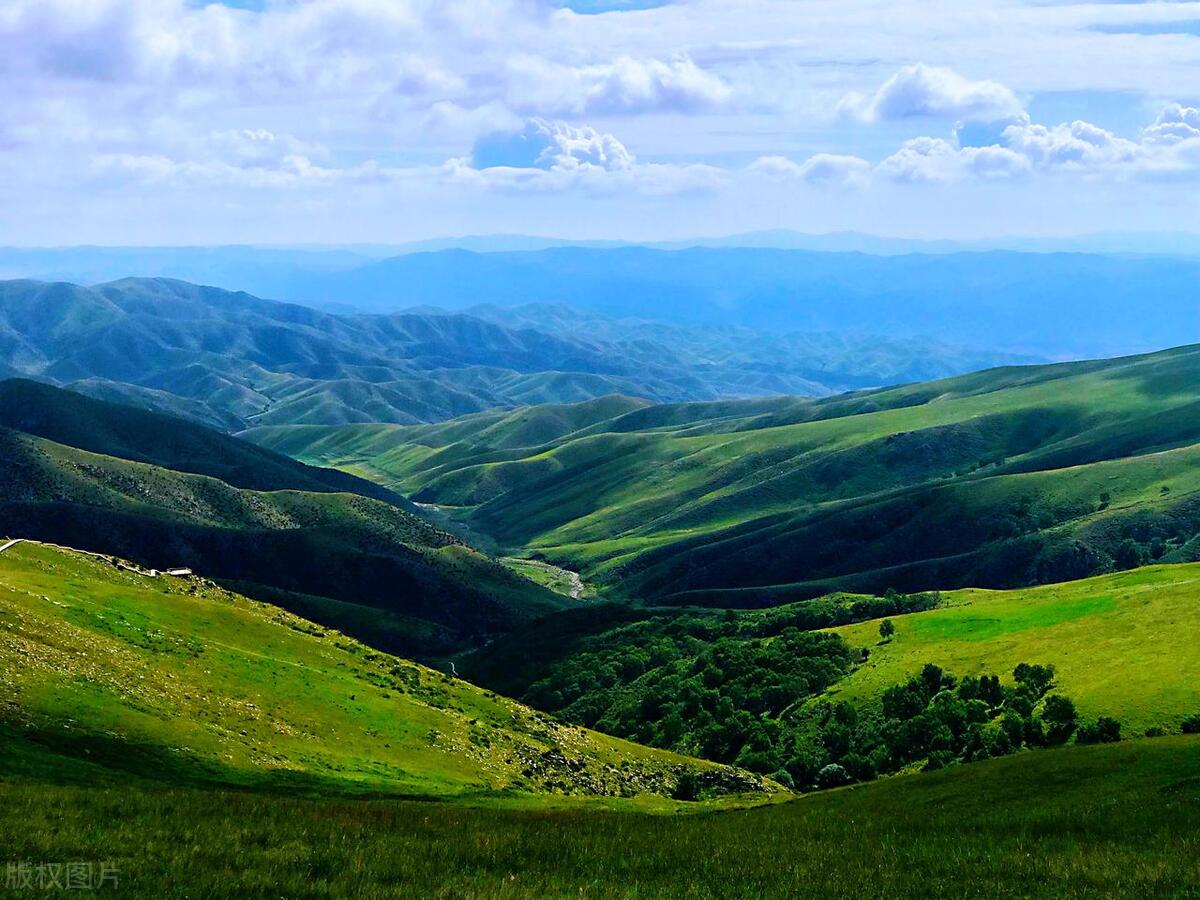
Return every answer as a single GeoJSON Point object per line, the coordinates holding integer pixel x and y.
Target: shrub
{"type": "Point", "coordinates": [832, 776]}
{"type": "Point", "coordinates": [1060, 717]}
{"type": "Point", "coordinates": [1035, 679]}
{"type": "Point", "coordinates": [1192, 725]}
{"type": "Point", "coordinates": [1104, 730]}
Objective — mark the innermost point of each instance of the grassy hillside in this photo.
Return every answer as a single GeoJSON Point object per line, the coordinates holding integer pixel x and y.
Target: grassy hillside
{"type": "Point", "coordinates": [108, 673]}
{"type": "Point", "coordinates": [1120, 644]}
{"type": "Point", "coordinates": [999, 479]}
{"type": "Point", "coordinates": [1106, 821]}
{"type": "Point", "coordinates": [369, 567]}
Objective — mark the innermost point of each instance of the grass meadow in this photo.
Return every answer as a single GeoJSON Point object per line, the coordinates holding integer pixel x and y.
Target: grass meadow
{"type": "Point", "coordinates": [1122, 645]}
{"type": "Point", "coordinates": [1104, 821]}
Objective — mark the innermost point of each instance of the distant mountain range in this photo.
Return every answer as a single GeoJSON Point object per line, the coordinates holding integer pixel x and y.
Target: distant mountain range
{"type": "Point", "coordinates": [1034, 297]}
{"type": "Point", "coordinates": [275, 271]}
{"type": "Point", "coordinates": [231, 360]}
{"type": "Point", "coordinates": [1059, 306]}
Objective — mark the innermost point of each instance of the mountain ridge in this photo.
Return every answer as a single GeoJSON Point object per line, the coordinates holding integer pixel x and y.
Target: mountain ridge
{"type": "Point", "coordinates": [232, 360]}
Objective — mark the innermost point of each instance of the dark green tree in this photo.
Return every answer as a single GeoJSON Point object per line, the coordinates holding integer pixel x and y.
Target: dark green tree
{"type": "Point", "coordinates": [1060, 718]}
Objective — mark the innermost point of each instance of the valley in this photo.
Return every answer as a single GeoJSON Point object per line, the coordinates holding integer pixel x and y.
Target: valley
{"type": "Point", "coordinates": [599, 449]}
{"type": "Point", "coordinates": [601, 616]}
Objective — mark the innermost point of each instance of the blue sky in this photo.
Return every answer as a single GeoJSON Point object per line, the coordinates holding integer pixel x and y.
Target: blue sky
{"type": "Point", "coordinates": [338, 121]}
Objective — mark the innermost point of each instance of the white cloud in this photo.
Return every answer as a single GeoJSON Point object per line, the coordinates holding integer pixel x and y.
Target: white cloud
{"type": "Point", "coordinates": [310, 94]}
{"type": "Point", "coordinates": [932, 160]}
{"type": "Point", "coordinates": [544, 144]}
{"type": "Point", "coordinates": [554, 156]}
{"type": "Point", "coordinates": [823, 168]}
{"type": "Point", "coordinates": [922, 91]}
{"type": "Point", "coordinates": [625, 85]}
{"type": "Point", "coordinates": [257, 146]}
{"type": "Point", "coordinates": [1077, 146]}
{"type": "Point", "coordinates": [653, 179]}
{"type": "Point", "coordinates": [1168, 148]}
{"type": "Point", "coordinates": [290, 172]}
{"type": "Point", "coordinates": [1175, 123]}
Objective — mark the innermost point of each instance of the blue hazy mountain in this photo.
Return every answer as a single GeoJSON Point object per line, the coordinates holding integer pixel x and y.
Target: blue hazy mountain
{"type": "Point", "coordinates": [1039, 301]}
{"type": "Point", "coordinates": [1058, 305]}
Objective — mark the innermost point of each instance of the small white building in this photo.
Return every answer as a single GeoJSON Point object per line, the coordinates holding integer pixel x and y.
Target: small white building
{"type": "Point", "coordinates": [178, 573]}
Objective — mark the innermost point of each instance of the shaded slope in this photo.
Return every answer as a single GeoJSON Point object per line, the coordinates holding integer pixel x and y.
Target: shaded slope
{"type": "Point", "coordinates": [369, 567]}
{"type": "Point", "coordinates": [118, 430]}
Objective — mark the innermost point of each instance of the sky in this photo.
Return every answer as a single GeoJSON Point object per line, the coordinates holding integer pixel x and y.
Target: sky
{"type": "Point", "coordinates": [382, 121]}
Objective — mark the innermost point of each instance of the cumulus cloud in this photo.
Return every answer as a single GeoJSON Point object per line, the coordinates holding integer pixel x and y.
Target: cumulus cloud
{"type": "Point", "coordinates": [1174, 124]}
{"type": "Point", "coordinates": [922, 91]}
{"type": "Point", "coordinates": [823, 168]}
{"type": "Point", "coordinates": [932, 160]}
{"type": "Point", "coordinates": [543, 144]}
{"type": "Point", "coordinates": [1170, 147]}
{"type": "Point", "coordinates": [555, 156]}
{"type": "Point", "coordinates": [625, 85]}
{"type": "Point", "coordinates": [1078, 146]}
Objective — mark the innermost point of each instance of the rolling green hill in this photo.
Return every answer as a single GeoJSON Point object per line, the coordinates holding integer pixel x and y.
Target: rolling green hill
{"type": "Point", "coordinates": [301, 538]}
{"type": "Point", "coordinates": [1000, 479]}
{"type": "Point", "coordinates": [1120, 644]}
{"type": "Point", "coordinates": [110, 674]}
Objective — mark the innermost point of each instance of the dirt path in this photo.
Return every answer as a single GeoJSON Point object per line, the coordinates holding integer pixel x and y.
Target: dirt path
{"type": "Point", "coordinates": [107, 557]}
{"type": "Point", "coordinates": [577, 587]}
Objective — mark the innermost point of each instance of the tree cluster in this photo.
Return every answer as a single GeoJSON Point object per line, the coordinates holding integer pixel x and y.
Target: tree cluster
{"type": "Point", "coordinates": [933, 720]}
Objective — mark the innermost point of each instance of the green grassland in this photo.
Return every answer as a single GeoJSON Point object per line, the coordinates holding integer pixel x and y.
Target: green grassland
{"type": "Point", "coordinates": [1122, 645]}
{"type": "Point", "coordinates": [108, 672]}
{"type": "Point", "coordinates": [1104, 821]}
{"type": "Point", "coordinates": [1000, 479]}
